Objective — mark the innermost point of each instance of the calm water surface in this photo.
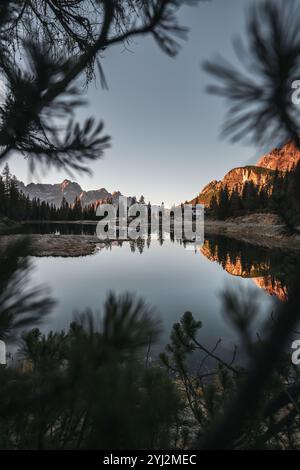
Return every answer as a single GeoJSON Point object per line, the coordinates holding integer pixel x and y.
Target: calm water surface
{"type": "Point", "coordinates": [170, 277]}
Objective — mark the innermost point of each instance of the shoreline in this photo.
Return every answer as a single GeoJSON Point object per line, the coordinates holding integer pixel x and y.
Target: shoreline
{"type": "Point", "coordinates": [65, 246]}
{"type": "Point", "coordinates": [255, 235]}
{"type": "Point", "coordinates": [57, 222]}
{"type": "Point", "coordinates": [263, 230]}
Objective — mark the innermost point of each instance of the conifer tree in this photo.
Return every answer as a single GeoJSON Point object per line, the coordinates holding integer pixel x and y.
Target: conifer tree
{"type": "Point", "coordinates": [223, 209]}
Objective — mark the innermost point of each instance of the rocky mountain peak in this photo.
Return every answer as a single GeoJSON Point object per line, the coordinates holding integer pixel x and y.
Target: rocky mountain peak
{"type": "Point", "coordinates": [281, 159]}
{"type": "Point", "coordinates": [261, 174]}
{"type": "Point", "coordinates": [67, 184]}
{"type": "Point", "coordinates": [54, 193]}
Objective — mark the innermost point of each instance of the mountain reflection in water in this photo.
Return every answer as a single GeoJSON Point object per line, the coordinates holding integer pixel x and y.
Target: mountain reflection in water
{"type": "Point", "coordinates": [266, 267]}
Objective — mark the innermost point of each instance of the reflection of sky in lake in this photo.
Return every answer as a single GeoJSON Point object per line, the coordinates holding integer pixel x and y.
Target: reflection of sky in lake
{"type": "Point", "coordinates": [170, 278]}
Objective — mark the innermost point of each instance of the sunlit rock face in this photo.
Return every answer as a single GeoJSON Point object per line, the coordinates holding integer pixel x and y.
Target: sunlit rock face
{"type": "Point", "coordinates": [235, 180]}
{"type": "Point", "coordinates": [262, 174]}
{"type": "Point", "coordinates": [239, 176]}
{"type": "Point", "coordinates": [210, 190]}
{"type": "Point", "coordinates": [236, 265]}
{"type": "Point", "coordinates": [281, 159]}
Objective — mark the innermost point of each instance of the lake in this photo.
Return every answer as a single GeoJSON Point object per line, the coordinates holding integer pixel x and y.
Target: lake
{"type": "Point", "coordinates": [170, 276]}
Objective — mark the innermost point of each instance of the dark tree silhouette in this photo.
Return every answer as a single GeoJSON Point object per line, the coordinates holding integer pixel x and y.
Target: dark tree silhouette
{"type": "Point", "coordinates": [89, 388]}
{"type": "Point", "coordinates": [55, 401]}
{"type": "Point", "coordinates": [20, 305]}
{"type": "Point", "coordinates": [259, 92]}
{"type": "Point", "coordinates": [58, 45]}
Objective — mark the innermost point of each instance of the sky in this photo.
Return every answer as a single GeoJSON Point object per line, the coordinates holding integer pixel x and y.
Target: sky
{"type": "Point", "coordinates": [165, 128]}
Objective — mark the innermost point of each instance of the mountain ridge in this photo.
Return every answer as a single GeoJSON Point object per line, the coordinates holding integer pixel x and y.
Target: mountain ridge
{"type": "Point", "coordinates": [262, 174]}
{"type": "Point", "coordinates": [70, 190]}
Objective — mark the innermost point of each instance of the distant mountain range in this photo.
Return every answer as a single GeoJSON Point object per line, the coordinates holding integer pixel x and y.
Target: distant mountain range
{"type": "Point", "coordinates": [262, 174]}
{"type": "Point", "coordinates": [54, 193]}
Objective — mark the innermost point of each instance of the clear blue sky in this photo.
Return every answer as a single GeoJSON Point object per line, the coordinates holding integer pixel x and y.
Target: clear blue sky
{"type": "Point", "coordinates": [165, 128]}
